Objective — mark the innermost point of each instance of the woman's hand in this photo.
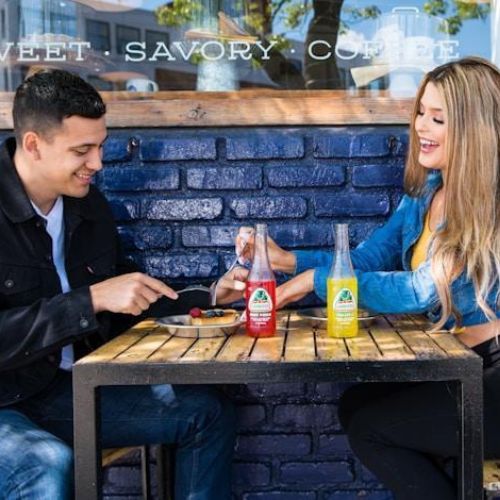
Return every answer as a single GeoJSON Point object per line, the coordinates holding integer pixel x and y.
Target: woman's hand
{"type": "Point", "coordinates": [295, 289]}
{"type": "Point", "coordinates": [280, 259]}
{"type": "Point", "coordinates": [231, 286]}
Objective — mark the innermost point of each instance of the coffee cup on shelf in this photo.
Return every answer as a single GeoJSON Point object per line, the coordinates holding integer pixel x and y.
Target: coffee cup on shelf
{"type": "Point", "coordinates": [141, 85]}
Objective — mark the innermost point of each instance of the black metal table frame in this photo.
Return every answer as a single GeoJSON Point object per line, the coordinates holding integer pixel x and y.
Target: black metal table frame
{"type": "Point", "coordinates": [465, 371]}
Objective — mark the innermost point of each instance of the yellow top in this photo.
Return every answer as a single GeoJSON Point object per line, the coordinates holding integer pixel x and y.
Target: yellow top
{"type": "Point", "coordinates": [422, 245]}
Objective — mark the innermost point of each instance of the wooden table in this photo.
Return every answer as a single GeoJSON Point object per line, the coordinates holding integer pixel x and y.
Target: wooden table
{"type": "Point", "coordinates": [392, 348]}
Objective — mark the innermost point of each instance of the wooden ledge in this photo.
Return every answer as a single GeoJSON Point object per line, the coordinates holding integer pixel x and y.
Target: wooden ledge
{"type": "Point", "coordinates": [244, 108]}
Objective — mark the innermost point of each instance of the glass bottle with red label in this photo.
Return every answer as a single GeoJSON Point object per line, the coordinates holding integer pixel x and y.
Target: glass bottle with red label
{"type": "Point", "coordinates": [260, 293]}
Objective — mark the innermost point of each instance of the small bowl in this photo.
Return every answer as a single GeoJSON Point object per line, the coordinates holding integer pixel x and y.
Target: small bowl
{"type": "Point", "coordinates": [181, 326]}
{"type": "Point", "coordinates": [317, 316]}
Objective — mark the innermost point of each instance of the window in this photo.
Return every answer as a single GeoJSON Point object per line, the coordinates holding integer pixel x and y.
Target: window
{"type": "Point", "coordinates": [362, 48]}
{"type": "Point", "coordinates": [154, 39]}
{"type": "Point", "coordinates": [125, 35]}
{"type": "Point", "coordinates": [98, 35]}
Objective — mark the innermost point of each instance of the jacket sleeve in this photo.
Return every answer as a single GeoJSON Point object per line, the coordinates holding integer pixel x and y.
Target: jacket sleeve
{"type": "Point", "coordinates": [382, 251]}
{"type": "Point", "coordinates": [391, 292]}
{"type": "Point", "coordinates": [47, 324]}
{"type": "Point", "coordinates": [399, 292]}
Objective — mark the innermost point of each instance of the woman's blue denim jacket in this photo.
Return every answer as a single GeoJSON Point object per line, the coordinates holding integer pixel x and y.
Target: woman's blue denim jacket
{"type": "Point", "coordinates": [386, 283]}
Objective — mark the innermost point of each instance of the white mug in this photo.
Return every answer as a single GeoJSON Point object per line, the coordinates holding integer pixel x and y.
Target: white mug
{"type": "Point", "coordinates": [141, 85]}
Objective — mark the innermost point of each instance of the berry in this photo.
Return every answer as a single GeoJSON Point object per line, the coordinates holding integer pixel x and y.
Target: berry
{"type": "Point", "coordinates": [195, 312]}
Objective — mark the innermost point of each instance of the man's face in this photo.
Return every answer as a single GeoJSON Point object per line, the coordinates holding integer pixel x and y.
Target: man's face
{"type": "Point", "coordinates": [71, 156]}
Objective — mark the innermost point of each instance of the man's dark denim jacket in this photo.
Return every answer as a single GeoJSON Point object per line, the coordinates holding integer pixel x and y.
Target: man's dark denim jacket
{"type": "Point", "coordinates": [386, 282]}
{"type": "Point", "coordinates": [36, 318]}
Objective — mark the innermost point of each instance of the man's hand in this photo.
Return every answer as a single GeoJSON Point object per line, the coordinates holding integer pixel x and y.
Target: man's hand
{"type": "Point", "coordinates": [128, 294]}
{"type": "Point", "coordinates": [231, 287]}
{"type": "Point", "coordinates": [280, 259]}
{"type": "Point", "coordinates": [295, 289]}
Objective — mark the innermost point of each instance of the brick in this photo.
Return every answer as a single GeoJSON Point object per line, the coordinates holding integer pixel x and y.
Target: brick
{"type": "Point", "coordinates": [209, 236]}
{"type": "Point", "coordinates": [280, 495]}
{"type": "Point", "coordinates": [401, 144]}
{"type": "Point", "coordinates": [269, 208]}
{"type": "Point", "coordinates": [276, 391]}
{"type": "Point", "coordinates": [302, 234]}
{"type": "Point", "coordinates": [123, 479]}
{"type": "Point", "coordinates": [274, 444]}
{"type": "Point", "coordinates": [186, 265]}
{"type": "Point", "coordinates": [358, 495]}
{"type": "Point", "coordinates": [360, 231]}
{"type": "Point", "coordinates": [250, 416]}
{"type": "Point", "coordinates": [183, 209]}
{"type": "Point", "coordinates": [315, 473]}
{"type": "Point", "coordinates": [116, 149]}
{"type": "Point", "coordinates": [161, 149]}
{"type": "Point", "coordinates": [224, 178]}
{"type": "Point", "coordinates": [251, 474]}
{"type": "Point", "coordinates": [146, 237]}
{"type": "Point", "coordinates": [378, 176]}
{"type": "Point", "coordinates": [139, 178]}
{"type": "Point", "coordinates": [351, 205]}
{"type": "Point", "coordinates": [305, 415]}
{"type": "Point", "coordinates": [339, 144]}
{"type": "Point", "coordinates": [124, 209]}
{"type": "Point", "coordinates": [318, 176]}
{"type": "Point", "coordinates": [334, 444]}
{"type": "Point", "coordinates": [328, 391]}
{"type": "Point", "coordinates": [264, 146]}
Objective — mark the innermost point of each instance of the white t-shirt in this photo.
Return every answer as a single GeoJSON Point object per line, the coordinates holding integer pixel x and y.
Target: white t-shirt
{"type": "Point", "coordinates": [55, 227]}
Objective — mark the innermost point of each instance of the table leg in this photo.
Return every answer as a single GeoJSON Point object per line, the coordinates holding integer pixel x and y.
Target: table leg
{"type": "Point", "coordinates": [87, 451]}
{"type": "Point", "coordinates": [470, 461]}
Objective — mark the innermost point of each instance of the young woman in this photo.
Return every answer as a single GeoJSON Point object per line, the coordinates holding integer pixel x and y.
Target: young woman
{"type": "Point", "coordinates": [438, 254]}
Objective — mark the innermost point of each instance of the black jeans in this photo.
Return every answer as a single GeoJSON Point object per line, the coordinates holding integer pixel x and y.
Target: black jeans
{"type": "Point", "coordinates": [399, 430]}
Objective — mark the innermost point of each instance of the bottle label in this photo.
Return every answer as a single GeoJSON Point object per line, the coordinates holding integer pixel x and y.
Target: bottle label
{"type": "Point", "coordinates": [344, 304]}
{"type": "Point", "coordinates": [261, 312]}
{"type": "Point", "coordinates": [260, 301]}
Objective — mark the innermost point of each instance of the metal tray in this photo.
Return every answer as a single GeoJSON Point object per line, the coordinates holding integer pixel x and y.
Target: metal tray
{"type": "Point", "coordinates": [181, 326]}
{"type": "Point", "coordinates": [317, 316]}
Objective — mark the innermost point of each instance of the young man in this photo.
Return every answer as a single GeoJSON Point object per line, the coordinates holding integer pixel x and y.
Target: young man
{"type": "Point", "coordinates": [65, 288]}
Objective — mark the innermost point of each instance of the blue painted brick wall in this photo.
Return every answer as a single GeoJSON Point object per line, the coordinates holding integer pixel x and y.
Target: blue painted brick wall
{"type": "Point", "coordinates": [179, 196]}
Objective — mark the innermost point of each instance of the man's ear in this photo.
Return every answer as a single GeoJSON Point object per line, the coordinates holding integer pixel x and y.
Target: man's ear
{"type": "Point", "coordinates": [31, 145]}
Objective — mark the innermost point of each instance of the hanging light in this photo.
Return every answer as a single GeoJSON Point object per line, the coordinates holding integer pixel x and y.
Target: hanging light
{"type": "Point", "coordinates": [112, 5]}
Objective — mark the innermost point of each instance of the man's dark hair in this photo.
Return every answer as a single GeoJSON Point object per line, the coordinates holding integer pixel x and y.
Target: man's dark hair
{"type": "Point", "coordinates": [49, 96]}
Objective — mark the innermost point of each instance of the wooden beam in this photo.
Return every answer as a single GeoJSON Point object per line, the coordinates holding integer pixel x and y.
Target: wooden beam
{"type": "Point", "coordinates": [243, 108]}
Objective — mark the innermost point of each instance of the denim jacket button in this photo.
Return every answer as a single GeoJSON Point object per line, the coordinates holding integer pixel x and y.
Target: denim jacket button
{"type": "Point", "coordinates": [84, 323]}
{"type": "Point", "coordinates": [9, 283]}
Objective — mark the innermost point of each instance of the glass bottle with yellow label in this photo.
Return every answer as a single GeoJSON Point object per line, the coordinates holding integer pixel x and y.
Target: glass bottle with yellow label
{"type": "Point", "coordinates": [342, 289]}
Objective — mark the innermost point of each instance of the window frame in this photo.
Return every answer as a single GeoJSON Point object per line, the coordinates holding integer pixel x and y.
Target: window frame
{"type": "Point", "coordinates": [117, 40]}
{"type": "Point", "coordinates": [102, 23]}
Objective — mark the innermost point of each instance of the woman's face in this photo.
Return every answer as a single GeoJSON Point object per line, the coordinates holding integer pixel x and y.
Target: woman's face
{"type": "Point", "coordinates": [431, 128]}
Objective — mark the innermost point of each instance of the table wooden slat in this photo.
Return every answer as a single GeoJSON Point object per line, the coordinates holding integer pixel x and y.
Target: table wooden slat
{"type": "Point", "coordinates": [268, 348]}
{"type": "Point", "coordinates": [362, 347]}
{"type": "Point", "coordinates": [389, 341]}
{"type": "Point", "coordinates": [119, 344]}
{"type": "Point", "coordinates": [330, 348]}
{"type": "Point", "coordinates": [172, 350]}
{"type": "Point", "coordinates": [405, 322]}
{"type": "Point", "coordinates": [203, 350]}
{"type": "Point", "coordinates": [300, 345]}
{"type": "Point", "coordinates": [448, 342]}
{"type": "Point", "coordinates": [236, 348]}
{"type": "Point", "coordinates": [143, 349]}
{"type": "Point", "coordinates": [422, 345]}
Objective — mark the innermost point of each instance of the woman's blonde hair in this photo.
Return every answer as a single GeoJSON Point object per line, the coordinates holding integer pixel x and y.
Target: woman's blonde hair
{"type": "Point", "coordinates": [470, 238]}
